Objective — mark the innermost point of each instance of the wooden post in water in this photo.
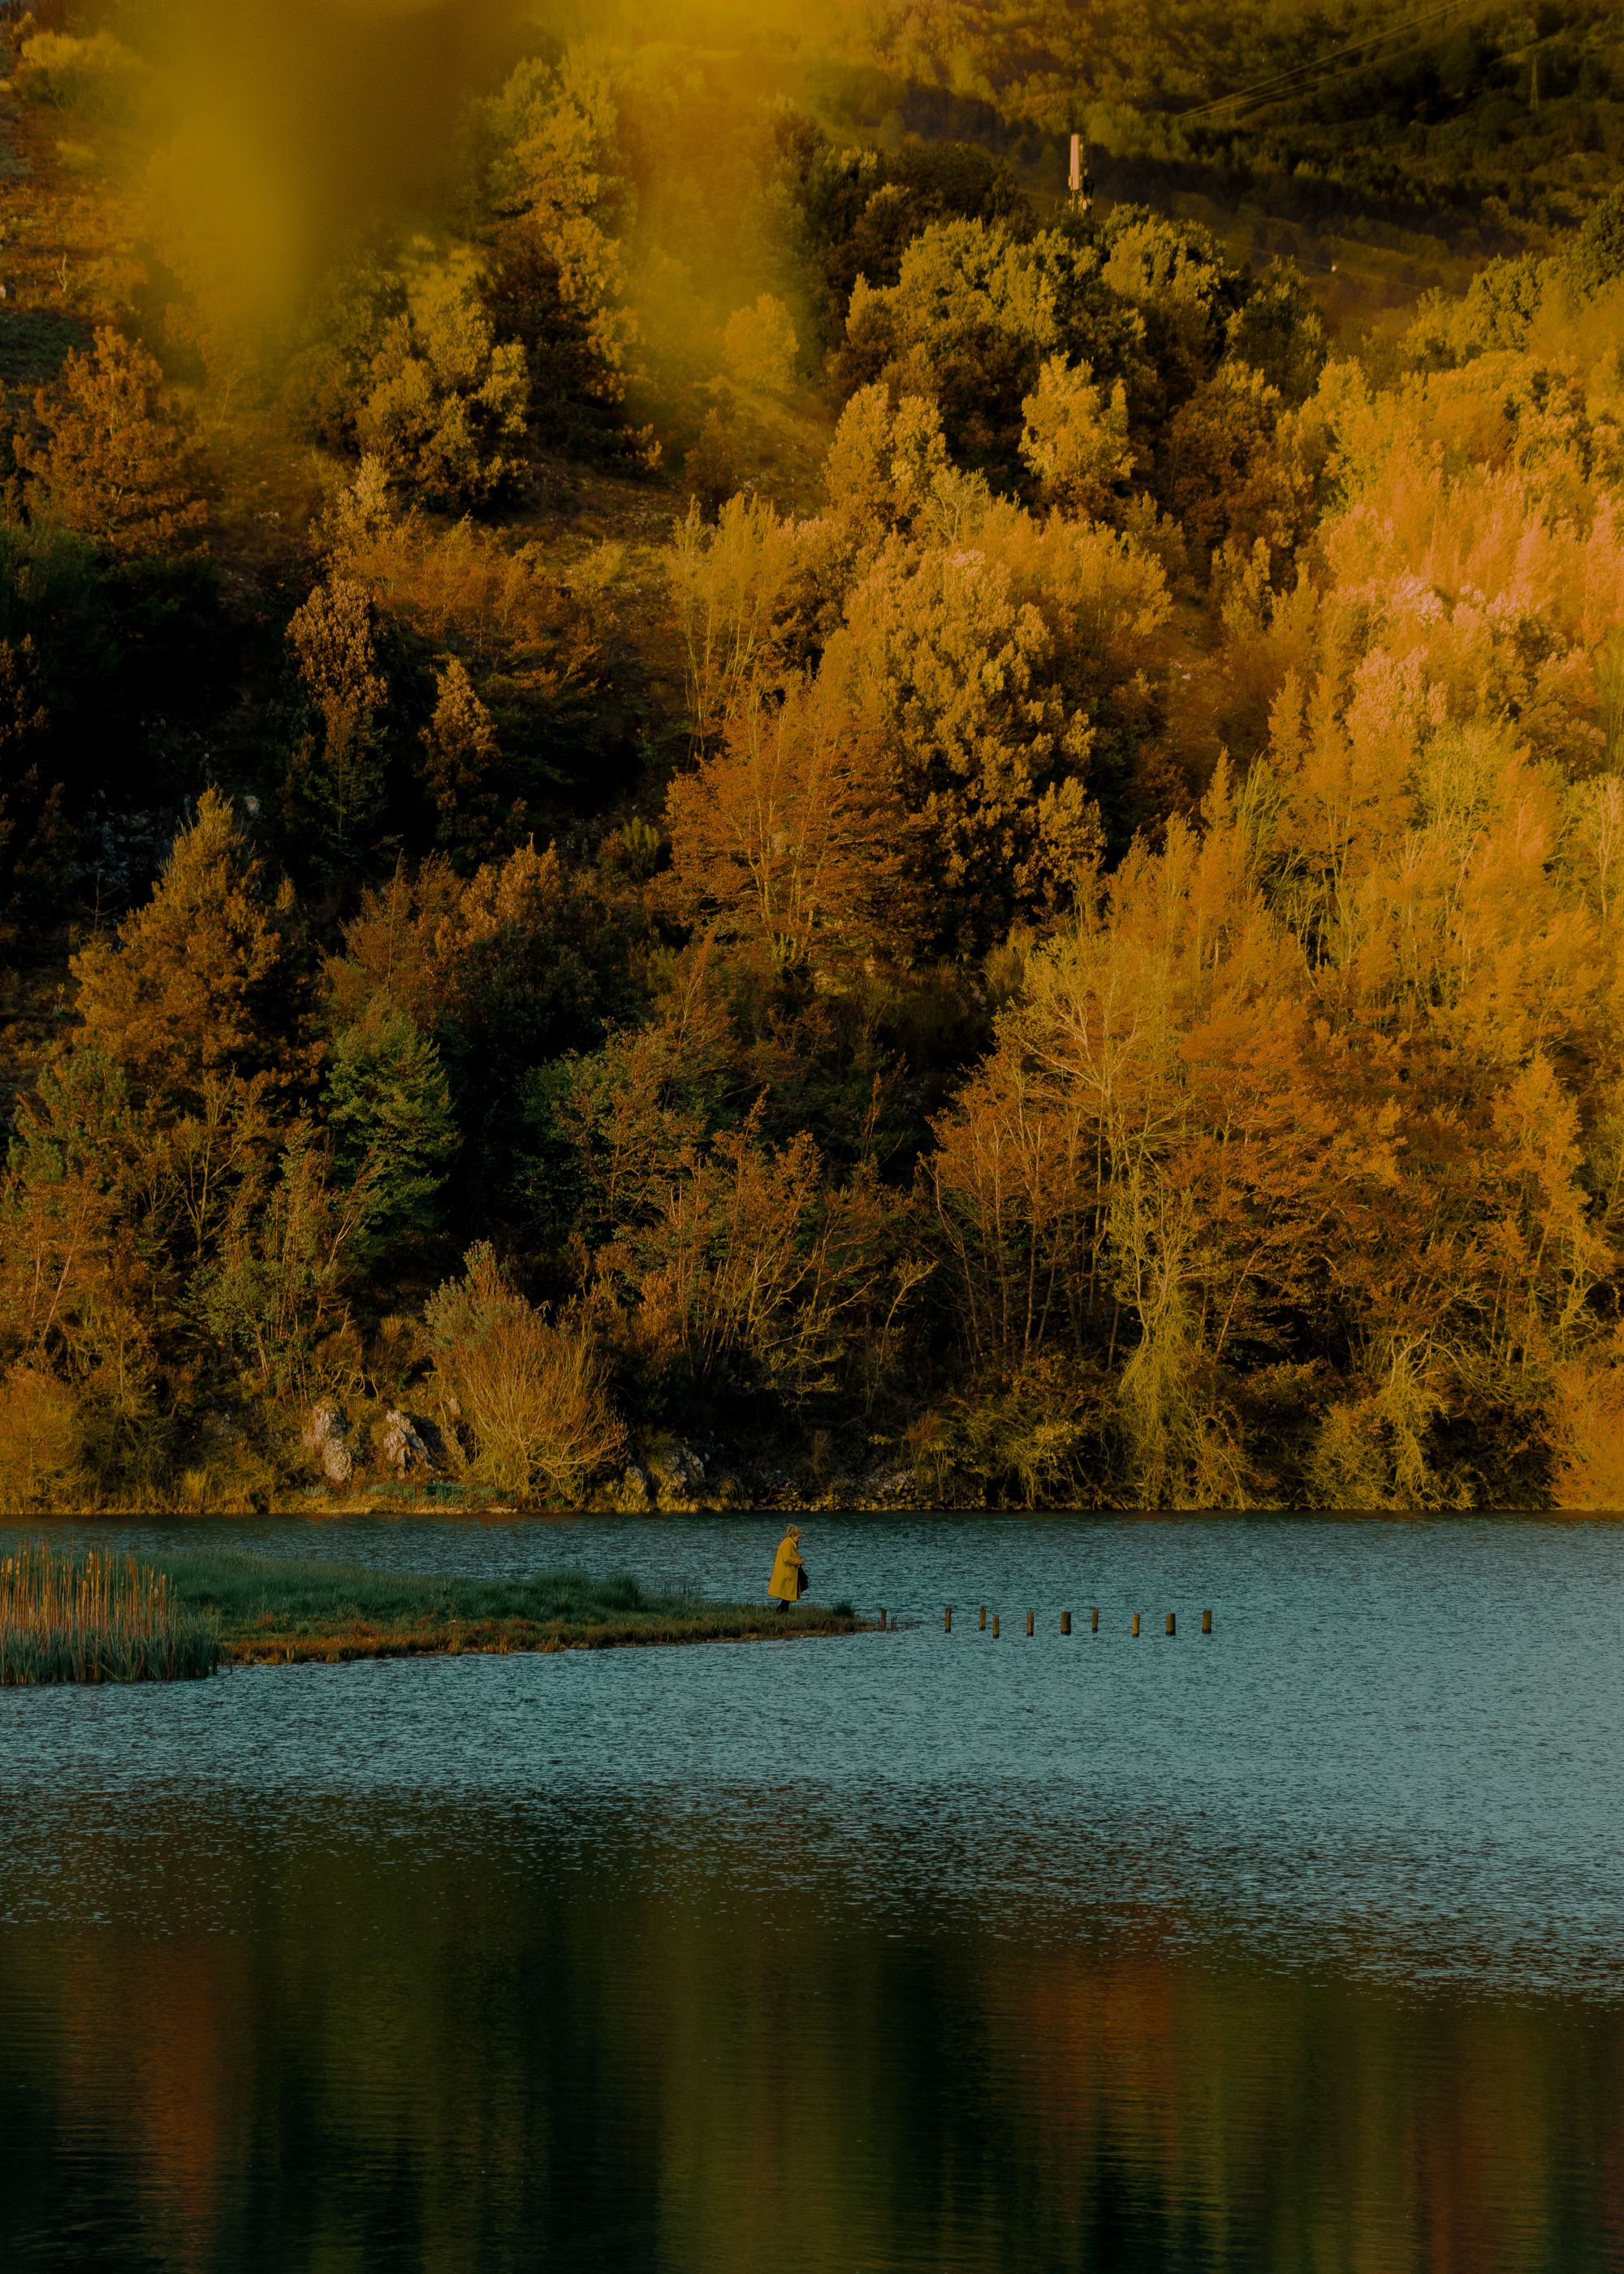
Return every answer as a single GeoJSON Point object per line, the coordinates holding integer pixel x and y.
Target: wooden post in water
{"type": "Point", "coordinates": [1031, 1620]}
{"type": "Point", "coordinates": [1172, 1624]}
{"type": "Point", "coordinates": [947, 1620]}
{"type": "Point", "coordinates": [995, 1626]}
{"type": "Point", "coordinates": [1065, 1622]}
{"type": "Point", "coordinates": [1136, 1623]}
{"type": "Point", "coordinates": [1093, 1620]}
{"type": "Point", "coordinates": [882, 1620]}
{"type": "Point", "coordinates": [1207, 1622]}
{"type": "Point", "coordinates": [983, 1618]}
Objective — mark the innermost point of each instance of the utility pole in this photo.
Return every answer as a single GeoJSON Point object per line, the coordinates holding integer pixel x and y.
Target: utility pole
{"type": "Point", "coordinates": [1082, 180]}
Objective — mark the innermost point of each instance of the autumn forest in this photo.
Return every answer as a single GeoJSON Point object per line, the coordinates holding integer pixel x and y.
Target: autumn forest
{"type": "Point", "coordinates": [704, 798]}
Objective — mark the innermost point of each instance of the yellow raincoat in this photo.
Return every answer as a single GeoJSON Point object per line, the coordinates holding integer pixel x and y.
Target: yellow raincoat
{"type": "Point", "coordinates": [789, 1577]}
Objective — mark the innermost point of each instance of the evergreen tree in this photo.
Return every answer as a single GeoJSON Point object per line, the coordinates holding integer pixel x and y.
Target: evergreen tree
{"type": "Point", "coordinates": [336, 777]}
{"type": "Point", "coordinates": [461, 760]}
{"type": "Point", "coordinates": [116, 460]}
{"type": "Point", "coordinates": [389, 1112]}
{"type": "Point", "coordinates": [36, 843]}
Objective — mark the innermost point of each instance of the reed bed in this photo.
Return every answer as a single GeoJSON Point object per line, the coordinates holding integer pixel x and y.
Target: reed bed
{"type": "Point", "coordinates": [69, 1614]}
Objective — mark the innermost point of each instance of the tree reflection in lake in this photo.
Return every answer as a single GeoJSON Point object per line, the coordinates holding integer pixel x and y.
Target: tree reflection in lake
{"type": "Point", "coordinates": [396, 2036]}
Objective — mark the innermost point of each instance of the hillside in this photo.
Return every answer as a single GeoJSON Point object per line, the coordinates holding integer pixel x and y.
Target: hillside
{"type": "Point", "coordinates": [701, 799]}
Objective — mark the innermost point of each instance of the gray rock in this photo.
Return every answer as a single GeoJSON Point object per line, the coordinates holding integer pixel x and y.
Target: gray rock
{"type": "Point", "coordinates": [326, 1441]}
{"type": "Point", "coordinates": [635, 1492]}
{"type": "Point", "coordinates": [402, 1448]}
{"type": "Point", "coordinates": [675, 1470]}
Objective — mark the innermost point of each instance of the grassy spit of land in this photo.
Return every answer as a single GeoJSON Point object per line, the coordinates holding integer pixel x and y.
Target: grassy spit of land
{"type": "Point", "coordinates": [269, 1611]}
{"type": "Point", "coordinates": [78, 1615]}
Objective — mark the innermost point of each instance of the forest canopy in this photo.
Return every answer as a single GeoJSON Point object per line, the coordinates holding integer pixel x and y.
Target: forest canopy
{"type": "Point", "coordinates": [703, 795]}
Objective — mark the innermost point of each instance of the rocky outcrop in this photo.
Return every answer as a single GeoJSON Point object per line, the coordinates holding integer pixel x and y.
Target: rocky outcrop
{"type": "Point", "coordinates": [675, 1472]}
{"type": "Point", "coordinates": [325, 1443]}
{"type": "Point", "coordinates": [403, 1447]}
{"type": "Point", "coordinates": [633, 1492]}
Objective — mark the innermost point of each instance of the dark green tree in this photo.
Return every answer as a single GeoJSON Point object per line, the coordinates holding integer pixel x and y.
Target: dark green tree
{"type": "Point", "coordinates": [388, 1113]}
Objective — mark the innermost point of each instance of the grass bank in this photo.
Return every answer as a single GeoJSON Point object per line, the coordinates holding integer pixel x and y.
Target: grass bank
{"type": "Point", "coordinates": [268, 1610]}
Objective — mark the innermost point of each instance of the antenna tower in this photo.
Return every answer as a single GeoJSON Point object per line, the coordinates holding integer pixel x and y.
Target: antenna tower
{"type": "Point", "coordinates": [1082, 180]}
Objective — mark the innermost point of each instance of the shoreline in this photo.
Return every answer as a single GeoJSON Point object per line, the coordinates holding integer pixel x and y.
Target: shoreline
{"type": "Point", "coordinates": [348, 1644]}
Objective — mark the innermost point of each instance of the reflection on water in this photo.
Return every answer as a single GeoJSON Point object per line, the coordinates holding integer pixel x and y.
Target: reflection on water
{"type": "Point", "coordinates": [1296, 1949]}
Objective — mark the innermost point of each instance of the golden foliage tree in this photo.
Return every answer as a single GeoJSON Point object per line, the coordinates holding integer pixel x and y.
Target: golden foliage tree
{"type": "Point", "coordinates": [205, 979]}
{"type": "Point", "coordinates": [1075, 441]}
{"type": "Point", "coordinates": [950, 675]}
{"type": "Point", "coordinates": [461, 758]}
{"type": "Point", "coordinates": [447, 402]}
{"type": "Point", "coordinates": [787, 834]}
{"type": "Point", "coordinates": [336, 777]}
{"type": "Point", "coordinates": [115, 459]}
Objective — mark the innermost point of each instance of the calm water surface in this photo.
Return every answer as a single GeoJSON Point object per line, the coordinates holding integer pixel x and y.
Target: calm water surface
{"type": "Point", "coordinates": [1297, 1947]}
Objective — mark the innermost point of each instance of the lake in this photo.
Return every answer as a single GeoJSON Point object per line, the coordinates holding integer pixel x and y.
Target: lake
{"type": "Point", "coordinates": [1299, 1945]}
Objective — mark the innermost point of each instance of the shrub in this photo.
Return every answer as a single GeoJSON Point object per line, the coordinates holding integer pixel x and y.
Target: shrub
{"type": "Point", "coordinates": [744, 1267]}
{"type": "Point", "coordinates": [1588, 1433]}
{"type": "Point", "coordinates": [37, 842]}
{"type": "Point", "coordinates": [41, 1440]}
{"type": "Point", "coordinates": [447, 400]}
{"type": "Point", "coordinates": [759, 346]}
{"type": "Point", "coordinates": [711, 469]}
{"type": "Point", "coordinates": [273, 1294]}
{"type": "Point", "coordinates": [523, 1398]}
{"type": "Point", "coordinates": [97, 74]}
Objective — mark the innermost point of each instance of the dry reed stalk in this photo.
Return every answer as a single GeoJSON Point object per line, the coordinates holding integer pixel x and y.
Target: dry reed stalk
{"type": "Point", "coordinates": [68, 1616]}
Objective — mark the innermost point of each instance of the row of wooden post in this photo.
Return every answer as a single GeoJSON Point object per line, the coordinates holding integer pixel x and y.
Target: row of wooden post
{"type": "Point", "coordinates": [1065, 1622]}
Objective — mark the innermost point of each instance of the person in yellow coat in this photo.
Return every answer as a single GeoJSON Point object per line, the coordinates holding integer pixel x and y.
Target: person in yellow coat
{"type": "Point", "coordinates": [790, 1580]}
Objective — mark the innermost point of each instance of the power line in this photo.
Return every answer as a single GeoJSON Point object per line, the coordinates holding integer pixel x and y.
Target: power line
{"type": "Point", "coordinates": [1283, 80]}
{"type": "Point", "coordinates": [1298, 76]}
{"type": "Point", "coordinates": [1411, 46]}
{"type": "Point", "coordinates": [1301, 77]}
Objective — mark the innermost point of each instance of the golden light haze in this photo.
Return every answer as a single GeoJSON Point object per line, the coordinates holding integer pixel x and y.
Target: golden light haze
{"type": "Point", "coordinates": [288, 127]}
{"type": "Point", "coordinates": [282, 131]}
